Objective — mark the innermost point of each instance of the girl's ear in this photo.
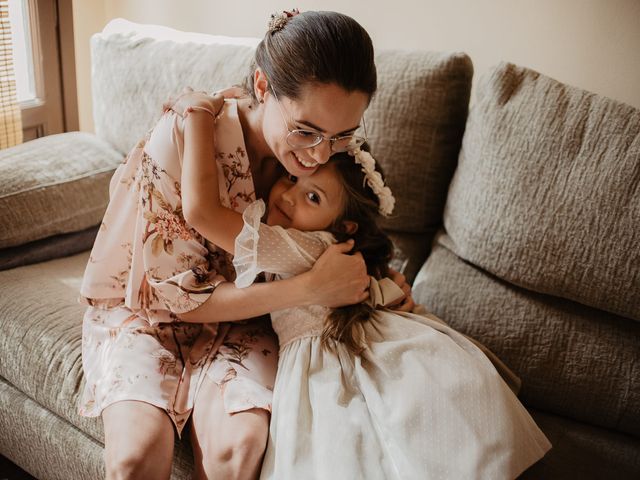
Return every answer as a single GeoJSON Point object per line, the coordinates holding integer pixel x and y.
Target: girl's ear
{"type": "Point", "coordinates": [349, 227]}
{"type": "Point", "coordinates": [260, 84]}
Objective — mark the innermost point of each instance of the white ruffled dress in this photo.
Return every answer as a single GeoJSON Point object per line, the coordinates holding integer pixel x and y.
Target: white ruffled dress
{"type": "Point", "coordinates": [421, 402]}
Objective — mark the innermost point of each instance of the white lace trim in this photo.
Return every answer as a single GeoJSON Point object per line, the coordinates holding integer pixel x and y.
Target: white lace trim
{"type": "Point", "coordinates": [245, 260]}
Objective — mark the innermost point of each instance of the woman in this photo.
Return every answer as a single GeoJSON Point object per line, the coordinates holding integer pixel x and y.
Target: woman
{"type": "Point", "coordinates": [159, 352]}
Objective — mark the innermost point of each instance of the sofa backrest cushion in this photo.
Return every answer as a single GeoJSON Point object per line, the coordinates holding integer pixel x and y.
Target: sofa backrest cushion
{"type": "Point", "coordinates": [547, 190]}
{"type": "Point", "coordinates": [415, 121]}
{"type": "Point", "coordinates": [573, 360]}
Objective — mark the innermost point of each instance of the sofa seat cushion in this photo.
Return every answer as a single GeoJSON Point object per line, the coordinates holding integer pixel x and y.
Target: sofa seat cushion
{"type": "Point", "coordinates": [54, 185]}
{"type": "Point", "coordinates": [547, 190]}
{"type": "Point", "coordinates": [584, 451]}
{"type": "Point", "coordinates": [61, 245]}
{"type": "Point", "coordinates": [573, 360]}
{"type": "Point", "coordinates": [41, 341]}
{"type": "Point", "coordinates": [49, 447]}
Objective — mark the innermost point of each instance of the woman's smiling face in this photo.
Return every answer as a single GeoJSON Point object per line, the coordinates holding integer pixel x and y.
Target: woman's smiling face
{"type": "Point", "coordinates": [327, 109]}
{"type": "Point", "coordinates": [307, 203]}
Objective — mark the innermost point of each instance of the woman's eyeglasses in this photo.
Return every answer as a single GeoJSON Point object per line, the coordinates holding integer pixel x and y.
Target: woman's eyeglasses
{"type": "Point", "coordinates": [298, 138]}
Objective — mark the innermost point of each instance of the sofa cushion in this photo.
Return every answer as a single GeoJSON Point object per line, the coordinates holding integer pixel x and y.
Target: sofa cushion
{"type": "Point", "coordinates": [547, 191]}
{"type": "Point", "coordinates": [48, 248]}
{"type": "Point", "coordinates": [583, 451]}
{"type": "Point", "coordinates": [41, 341]}
{"type": "Point", "coordinates": [573, 360]}
{"type": "Point", "coordinates": [416, 135]}
{"type": "Point", "coordinates": [147, 65]}
{"type": "Point", "coordinates": [52, 185]}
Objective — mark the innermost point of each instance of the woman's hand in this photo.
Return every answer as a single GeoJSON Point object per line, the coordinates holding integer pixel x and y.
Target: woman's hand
{"type": "Point", "coordinates": [190, 100]}
{"type": "Point", "coordinates": [337, 278]}
{"type": "Point", "coordinates": [405, 304]}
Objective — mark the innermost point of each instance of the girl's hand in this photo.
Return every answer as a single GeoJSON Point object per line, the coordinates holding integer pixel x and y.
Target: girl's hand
{"type": "Point", "coordinates": [405, 304]}
{"type": "Point", "coordinates": [190, 100]}
{"type": "Point", "coordinates": [338, 279]}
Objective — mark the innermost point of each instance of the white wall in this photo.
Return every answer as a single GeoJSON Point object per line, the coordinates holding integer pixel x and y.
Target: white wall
{"type": "Point", "coordinates": [593, 44]}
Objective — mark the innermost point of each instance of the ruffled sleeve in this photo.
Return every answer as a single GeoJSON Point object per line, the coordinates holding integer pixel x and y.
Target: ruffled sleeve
{"type": "Point", "coordinates": [273, 249]}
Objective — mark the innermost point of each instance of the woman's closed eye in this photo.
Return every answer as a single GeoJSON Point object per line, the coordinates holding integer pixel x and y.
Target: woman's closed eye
{"type": "Point", "coordinates": [306, 133]}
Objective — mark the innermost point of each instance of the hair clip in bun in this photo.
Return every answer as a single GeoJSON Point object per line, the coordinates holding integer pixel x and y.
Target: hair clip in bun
{"type": "Point", "coordinates": [279, 20]}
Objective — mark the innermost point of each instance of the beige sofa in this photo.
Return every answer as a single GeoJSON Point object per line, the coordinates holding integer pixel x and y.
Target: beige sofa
{"type": "Point", "coordinates": [519, 219]}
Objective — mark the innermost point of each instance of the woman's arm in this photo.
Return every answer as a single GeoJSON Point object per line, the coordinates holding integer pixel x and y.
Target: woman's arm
{"type": "Point", "coordinates": [319, 286]}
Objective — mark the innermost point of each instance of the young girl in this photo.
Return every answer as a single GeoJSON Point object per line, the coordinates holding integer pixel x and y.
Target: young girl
{"type": "Point", "coordinates": [158, 353]}
{"type": "Point", "coordinates": [364, 392]}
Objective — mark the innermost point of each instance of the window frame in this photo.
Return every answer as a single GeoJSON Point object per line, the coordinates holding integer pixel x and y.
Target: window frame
{"type": "Point", "coordinates": [55, 108]}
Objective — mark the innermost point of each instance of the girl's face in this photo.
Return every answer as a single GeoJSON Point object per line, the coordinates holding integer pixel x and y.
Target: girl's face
{"type": "Point", "coordinates": [307, 203]}
{"type": "Point", "coordinates": [327, 109]}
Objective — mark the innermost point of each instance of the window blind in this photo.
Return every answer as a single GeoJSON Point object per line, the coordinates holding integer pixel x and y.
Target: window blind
{"type": "Point", "coordinates": [10, 116]}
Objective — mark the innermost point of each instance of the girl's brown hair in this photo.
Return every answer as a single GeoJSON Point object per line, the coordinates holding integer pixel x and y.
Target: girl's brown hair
{"type": "Point", "coordinates": [316, 47]}
{"type": "Point", "coordinates": [361, 207]}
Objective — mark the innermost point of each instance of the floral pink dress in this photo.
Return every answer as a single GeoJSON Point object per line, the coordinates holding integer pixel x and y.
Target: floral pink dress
{"type": "Point", "coordinates": [146, 266]}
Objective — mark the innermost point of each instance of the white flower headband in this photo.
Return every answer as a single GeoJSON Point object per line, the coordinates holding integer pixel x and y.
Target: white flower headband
{"type": "Point", "coordinates": [373, 178]}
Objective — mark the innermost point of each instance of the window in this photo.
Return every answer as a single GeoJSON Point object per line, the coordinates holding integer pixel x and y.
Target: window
{"type": "Point", "coordinates": [42, 32]}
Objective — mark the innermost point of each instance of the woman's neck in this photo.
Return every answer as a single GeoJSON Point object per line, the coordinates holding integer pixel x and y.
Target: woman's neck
{"type": "Point", "coordinates": [265, 168]}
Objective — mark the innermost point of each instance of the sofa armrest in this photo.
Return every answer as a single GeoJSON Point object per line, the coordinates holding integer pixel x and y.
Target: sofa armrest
{"type": "Point", "coordinates": [54, 185]}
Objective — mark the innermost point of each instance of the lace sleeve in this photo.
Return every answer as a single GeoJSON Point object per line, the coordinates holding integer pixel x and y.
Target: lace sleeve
{"type": "Point", "coordinates": [273, 249]}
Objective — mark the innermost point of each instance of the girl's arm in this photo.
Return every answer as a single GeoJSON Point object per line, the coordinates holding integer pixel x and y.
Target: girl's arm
{"type": "Point", "coordinates": [201, 204]}
{"type": "Point", "coordinates": [318, 286]}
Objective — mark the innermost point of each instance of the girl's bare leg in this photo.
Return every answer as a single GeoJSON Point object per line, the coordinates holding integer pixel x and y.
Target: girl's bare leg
{"type": "Point", "coordinates": [139, 441]}
{"type": "Point", "coordinates": [226, 446]}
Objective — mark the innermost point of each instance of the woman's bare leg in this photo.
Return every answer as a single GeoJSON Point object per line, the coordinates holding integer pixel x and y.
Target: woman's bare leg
{"type": "Point", "coordinates": [226, 446]}
{"type": "Point", "coordinates": [139, 441]}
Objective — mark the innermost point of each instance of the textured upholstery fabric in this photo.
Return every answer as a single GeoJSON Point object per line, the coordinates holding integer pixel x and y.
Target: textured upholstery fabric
{"type": "Point", "coordinates": [547, 191]}
{"type": "Point", "coordinates": [573, 360]}
{"type": "Point", "coordinates": [40, 347]}
{"type": "Point", "coordinates": [52, 185]}
{"type": "Point", "coordinates": [47, 248]}
{"type": "Point", "coordinates": [585, 452]}
{"type": "Point", "coordinates": [416, 134]}
{"type": "Point", "coordinates": [59, 451]}
{"type": "Point", "coordinates": [146, 65]}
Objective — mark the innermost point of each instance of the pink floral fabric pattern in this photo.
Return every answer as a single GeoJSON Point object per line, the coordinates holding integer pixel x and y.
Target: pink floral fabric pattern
{"type": "Point", "coordinates": [147, 265]}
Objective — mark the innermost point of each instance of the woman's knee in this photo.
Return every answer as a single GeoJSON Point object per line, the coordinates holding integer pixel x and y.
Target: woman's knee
{"type": "Point", "coordinates": [239, 452]}
{"type": "Point", "coordinates": [245, 443]}
{"type": "Point", "coordinates": [138, 441]}
{"type": "Point", "coordinates": [134, 463]}
{"type": "Point", "coordinates": [125, 464]}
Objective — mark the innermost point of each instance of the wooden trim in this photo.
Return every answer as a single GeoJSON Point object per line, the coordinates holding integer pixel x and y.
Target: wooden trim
{"type": "Point", "coordinates": [36, 50]}
{"type": "Point", "coordinates": [50, 59]}
{"type": "Point", "coordinates": [55, 108]}
{"type": "Point", "coordinates": [68, 65]}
